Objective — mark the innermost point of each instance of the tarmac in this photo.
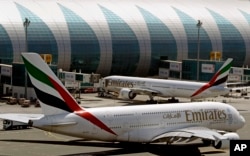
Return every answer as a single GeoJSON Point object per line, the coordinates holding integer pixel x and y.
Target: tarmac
{"type": "Point", "coordinates": [35, 142]}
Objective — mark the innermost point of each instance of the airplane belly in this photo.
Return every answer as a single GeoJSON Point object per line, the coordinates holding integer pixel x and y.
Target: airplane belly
{"type": "Point", "coordinates": [72, 125]}
{"type": "Point", "coordinates": [132, 136]}
{"type": "Point", "coordinates": [89, 130]}
{"type": "Point", "coordinates": [138, 136]}
{"type": "Point", "coordinates": [178, 91]}
{"type": "Point", "coordinates": [44, 124]}
{"type": "Point", "coordinates": [142, 135]}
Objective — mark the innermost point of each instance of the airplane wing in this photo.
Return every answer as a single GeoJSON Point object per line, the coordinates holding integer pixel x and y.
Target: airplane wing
{"type": "Point", "coordinates": [24, 118]}
{"type": "Point", "coordinates": [144, 91]}
{"type": "Point", "coordinates": [189, 134]}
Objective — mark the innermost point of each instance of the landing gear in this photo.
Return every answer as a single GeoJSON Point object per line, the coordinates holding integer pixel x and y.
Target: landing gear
{"type": "Point", "coordinates": [173, 100]}
{"type": "Point", "coordinates": [207, 142]}
{"type": "Point", "coordinates": [102, 93]}
{"type": "Point", "coordinates": [151, 101]}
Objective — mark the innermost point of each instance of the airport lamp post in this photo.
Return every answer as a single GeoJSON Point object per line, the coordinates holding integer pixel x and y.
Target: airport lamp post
{"type": "Point", "coordinates": [26, 24]}
{"type": "Point", "coordinates": [199, 24]}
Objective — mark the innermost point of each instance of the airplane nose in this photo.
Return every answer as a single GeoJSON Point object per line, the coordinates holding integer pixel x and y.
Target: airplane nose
{"type": "Point", "coordinates": [241, 121]}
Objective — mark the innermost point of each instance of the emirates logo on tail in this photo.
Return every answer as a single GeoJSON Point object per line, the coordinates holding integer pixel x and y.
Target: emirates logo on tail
{"type": "Point", "coordinates": [220, 78]}
{"type": "Point", "coordinates": [51, 92]}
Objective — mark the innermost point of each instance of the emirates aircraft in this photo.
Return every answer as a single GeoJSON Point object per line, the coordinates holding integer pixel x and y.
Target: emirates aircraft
{"type": "Point", "coordinates": [212, 122]}
{"type": "Point", "coordinates": [129, 87]}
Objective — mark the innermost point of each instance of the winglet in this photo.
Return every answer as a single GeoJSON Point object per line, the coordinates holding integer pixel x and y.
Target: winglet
{"type": "Point", "coordinates": [220, 77]}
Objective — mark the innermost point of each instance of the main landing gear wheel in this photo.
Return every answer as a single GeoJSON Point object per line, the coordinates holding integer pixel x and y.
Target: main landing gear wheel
{"type": "Point", "coordinates": [173, 100]}
{"type": "Point", "coordinates": [207, 142]}
{"type": "Point", "coordinates": [151, 102]}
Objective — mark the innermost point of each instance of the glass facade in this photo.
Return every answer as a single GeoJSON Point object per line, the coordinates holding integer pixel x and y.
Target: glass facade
{"type": "Point", "coordinates": [162, 40]}
{"type": "Point", "coordinates": [190, 25]}
{"type": "Point", "coordinates": [6, 50]}
{"type": "Point", "coordinates": [125, 46]}
{"type": "Point", "coordinates": [18, 75]}
{"type": "Point", "coordinates": [125, 37]}
{"type": "Point", "coordinates": [39, 37]}
{"type": "Point", "coordinates": [85, 49]}
{"type": "Point", "coordinates": [232, 41]}
{"type": "Point", "coordinates": [189, 70]}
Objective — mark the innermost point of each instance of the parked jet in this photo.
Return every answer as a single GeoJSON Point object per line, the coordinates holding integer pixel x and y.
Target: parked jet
{"type": "Point", "coordinates": [209, 121]}
{"type": "Point", "coordinates": [129, 87]}
{"type": "Point", "coordinates": [239, 87]}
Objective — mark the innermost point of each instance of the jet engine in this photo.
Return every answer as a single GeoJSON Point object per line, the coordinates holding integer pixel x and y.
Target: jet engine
{"type": "Point", "coordinates": [126, 93]}
{"type": "Point", "coordinates": [224, 143]}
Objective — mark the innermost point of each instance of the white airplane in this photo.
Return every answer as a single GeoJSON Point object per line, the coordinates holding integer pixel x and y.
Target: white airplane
{"type": "Point", "coordinates": [210, 121]}
{"type": "Point", "coordinates": [239, 87]}
{"type": "Point", "coordinates": [129, 87]}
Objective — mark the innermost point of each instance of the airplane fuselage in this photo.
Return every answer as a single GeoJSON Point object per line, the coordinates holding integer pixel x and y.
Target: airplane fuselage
{"type": "Point", "coordinates": [210, 121]}
{"type": "Point", "coordinates": [142, 123]}
{"type": "Point", "coordinates": [166, 88]}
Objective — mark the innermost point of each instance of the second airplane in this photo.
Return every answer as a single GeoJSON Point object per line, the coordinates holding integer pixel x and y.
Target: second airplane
{"type": "Point", "coordinates": [129, 87]}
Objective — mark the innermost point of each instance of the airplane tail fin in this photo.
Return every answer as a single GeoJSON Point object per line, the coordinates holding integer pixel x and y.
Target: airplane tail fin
{"type": "Point", "coordinates": [220, 77]}
{"type": "Point", "coordinates": [54, 98]}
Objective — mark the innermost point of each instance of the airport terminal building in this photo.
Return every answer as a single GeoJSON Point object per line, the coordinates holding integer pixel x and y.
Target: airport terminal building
{"type": "Point", "coordinates": [125, 37]}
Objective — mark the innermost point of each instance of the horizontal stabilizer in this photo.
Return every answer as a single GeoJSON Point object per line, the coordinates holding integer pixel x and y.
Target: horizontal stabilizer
{"type": "Point", "coordinates": [24, 118]}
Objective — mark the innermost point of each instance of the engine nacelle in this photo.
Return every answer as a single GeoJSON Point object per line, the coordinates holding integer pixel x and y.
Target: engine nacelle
{"type": "Point", "coordinates": [224, 143]}
{"type": "Point", "coordinates": [126, 93]}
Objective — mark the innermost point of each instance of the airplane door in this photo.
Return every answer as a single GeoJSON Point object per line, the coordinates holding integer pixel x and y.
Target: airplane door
{"type": "Point", "coordinates": [135, 135]}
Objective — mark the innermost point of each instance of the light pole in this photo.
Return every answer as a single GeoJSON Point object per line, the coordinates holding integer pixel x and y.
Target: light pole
{"type": "Point", "coordinates": [26, 24]}
{"type": "Point", "coordinates": [199, 24]}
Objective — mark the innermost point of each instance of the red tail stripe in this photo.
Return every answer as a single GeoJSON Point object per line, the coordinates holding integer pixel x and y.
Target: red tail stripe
{"type": "Point", "coordinates": [73, 105]}
{"type": "Point", "coordinates": [94, 120]}
{"type": "Point", "coordinates": [201, 89]}
{"type": "Point", "coordinates": [207, 85]}
{"type": "Point", "coordinates": [77, 109]}
{"type": "Point", "coordinates": [214, 78]}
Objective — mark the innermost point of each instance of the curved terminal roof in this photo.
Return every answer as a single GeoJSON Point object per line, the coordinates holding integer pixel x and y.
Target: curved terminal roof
{"type": "Point", "coordinates": [125, 37]}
